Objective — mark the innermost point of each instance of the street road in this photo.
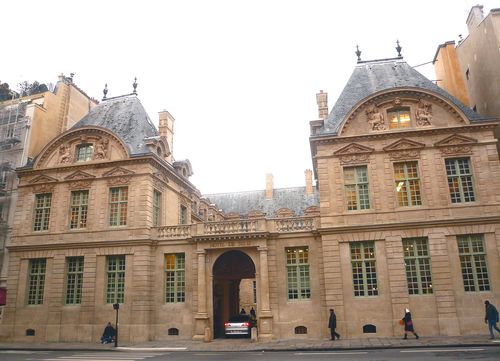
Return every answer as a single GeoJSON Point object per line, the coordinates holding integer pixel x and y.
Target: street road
{"type": "Point", "coordinates": [441, 354]}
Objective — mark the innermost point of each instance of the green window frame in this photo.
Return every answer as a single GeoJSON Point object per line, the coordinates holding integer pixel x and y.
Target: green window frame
{"type": "Point", "coordinates": [298, 274]}
{"type": "Point", "coordinates": [364, 272]}
{"type": "Point", "coordinates": [36, 280]}
{"type": "Point", "coordinates": [473, 263]}
{"type": "Point", "coordinates": [115, 279]}
{"type": "Point", "coordinates": [407, 184]}
{"type": "Point", "coordinates": [399, 118]}
{"type": "Point", "coordinates": [84, 152]}
{"type": "Point", "coordinates": [183, 214]}
{"type": "Point", "coordinates": [156, 208]}
{"type": "Point", "coordinates": [418, 266]}
{"type": "Point", "coordinates": [79, 209]}
{"type": "Point", "coordinates": [175, 278]}
{"type": "Point", "coordinates": [118, 205]}
{"type": "Point", "coordinates": [356, 188]}
{"type": "Point", "coordinates": [74, 280]}
{"type": "Point", "coordinates": [41, 219]}
{"type": "Point", "coordinates": [460, 180]}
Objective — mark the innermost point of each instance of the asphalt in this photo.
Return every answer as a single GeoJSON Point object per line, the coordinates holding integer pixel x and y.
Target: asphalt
{"type": "Point", "coordinates": [298, 344]}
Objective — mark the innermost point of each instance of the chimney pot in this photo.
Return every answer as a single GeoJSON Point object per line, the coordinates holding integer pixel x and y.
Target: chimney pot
{"type": "Point", "coordinates": [269, 186]}
{"type": "Point", "coordinates": [309, 187]}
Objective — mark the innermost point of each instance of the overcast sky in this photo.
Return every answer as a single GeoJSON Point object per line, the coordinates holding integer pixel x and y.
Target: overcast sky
{"type": "Point", "coordinates": [239, 77]}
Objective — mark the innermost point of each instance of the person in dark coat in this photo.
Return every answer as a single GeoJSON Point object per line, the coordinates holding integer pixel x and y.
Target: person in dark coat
{"type": "Point", "coordinates": [491, 318]}
{"type": "Point", "coordinates": [408, 323]}
{"type": "Point", "coordinates": [332, 325]}
{"type": "Point", "coordinates": [109, 334]}
{"type": "Point", "coordinates": [243, 312]}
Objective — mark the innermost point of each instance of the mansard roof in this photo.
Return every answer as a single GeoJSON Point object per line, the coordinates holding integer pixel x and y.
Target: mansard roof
{"type": "Point", "coordinates": [375, 76]}
{"type": "Point", "coordinates": [124, 116]}
{"type": "Point", "coordinates": [243, 203]}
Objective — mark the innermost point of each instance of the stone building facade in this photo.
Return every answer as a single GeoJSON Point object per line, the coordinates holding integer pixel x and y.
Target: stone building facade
{"type": "Point", "coordinates": [405, 214]}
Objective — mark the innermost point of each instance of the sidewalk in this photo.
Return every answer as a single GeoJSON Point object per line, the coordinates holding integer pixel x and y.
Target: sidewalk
{"type": "Point", "coordinates": [277, 345]}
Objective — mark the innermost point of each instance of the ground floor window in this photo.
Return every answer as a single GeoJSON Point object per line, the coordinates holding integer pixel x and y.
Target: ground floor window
{"type": "Point", "coordinates": [115, 285]}
{"type": "Point", "coordinates": [473, 262]}
{"type": "Point", "coordinates": [36, 281]}
{"type": "Point", "coordinates": [297, 269]}
{"type": "Point", "coordinates": [364, 273]}
{"type": "Point", "coordinates": [175, 281]}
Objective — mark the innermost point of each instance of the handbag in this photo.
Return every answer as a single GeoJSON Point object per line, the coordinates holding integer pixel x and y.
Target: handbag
{"type": "Point", "coordinates": [401, 322]}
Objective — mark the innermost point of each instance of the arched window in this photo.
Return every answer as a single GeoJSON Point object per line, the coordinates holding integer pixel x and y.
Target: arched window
{"type": "Point", "coordinates": [173, 331]}
{"type": "Point", "coordinates": [399, 118]}
{"type": "Point", "coordinates": [369, 328]}
{"type": "Point", "coordinates": [300, 330]}
{"type": "Point", "coordinates": [30, 332]}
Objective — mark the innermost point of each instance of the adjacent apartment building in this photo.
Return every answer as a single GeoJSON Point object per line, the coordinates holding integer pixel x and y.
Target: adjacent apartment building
{"type": "Point", "coordinates": [405, 213]}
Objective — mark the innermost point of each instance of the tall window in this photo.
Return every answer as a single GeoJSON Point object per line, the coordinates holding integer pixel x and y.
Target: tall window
{"type": "Point", "coordinates": [418, 266]}
{"type": "Point", "coordinates": [473, 262]}
{"type": "Point", "coordinates": [156, 208]}
{"type": "Point", "coordinates": [42, 212]}
{"type": "Point", "coordinates": [407, 184]}
{"type": "Point", "coordinates": [84, 152]}
{"type": "Point", "coordinates": [183, 215]}
{"type": "Point", "coordinates": [79, 208]}
{"type": "Point", "coordinates": [364, 273]}
{"type": "Point", "coordinates": [115, 281]}
{"type": "Point", "coordinates": [297, 270]}
{"type": "Point", "coordinates": [356, 187]}
{"type": "Point", "coordinates": [3, 178]}
{"type": "Point", "coordinates": [399, 118]}
{"type": "Point", "coordinates": [175, 282]}
{"type": "Point", "coordinates": [118, 201]}
{"type": "Point", "coordinates": [36, 281]}
{"type": "Point", "coordinates": [460, 180]}
{"type": "Point", "coordinates": [74, 280]}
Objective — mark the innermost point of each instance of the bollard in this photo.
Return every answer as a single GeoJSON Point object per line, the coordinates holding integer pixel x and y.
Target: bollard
{"type": "Point", "coordinates": [254, 336]}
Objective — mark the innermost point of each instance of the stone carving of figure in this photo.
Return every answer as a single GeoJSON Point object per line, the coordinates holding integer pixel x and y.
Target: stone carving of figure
{"type": "Point", "coordinates": [101, 151]}
{"type": "Point", "coordinates": [423, 114]}
{"type": "Point", "coordinates": [376, 119]}
{"type": "Point", "coordinates": [64, 154]}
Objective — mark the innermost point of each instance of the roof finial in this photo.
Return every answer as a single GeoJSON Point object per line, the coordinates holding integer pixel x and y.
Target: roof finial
{"type": "Point", "coordinates": [398, 49]}
{"type": "Point", "coordinates": [135, 86]}
{"type": "Point", "coordinates": [358, 53]}
{"type": "Point", "coordinates": [105, 91]}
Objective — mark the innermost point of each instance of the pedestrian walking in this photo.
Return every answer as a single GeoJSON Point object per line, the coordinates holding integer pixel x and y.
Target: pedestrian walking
{"type": "Point", "coordinates": [491, 318]}
{"type": "Point", "coordinates": [332, 325]}
{"type": "Point", "coordinates": [408, 323]}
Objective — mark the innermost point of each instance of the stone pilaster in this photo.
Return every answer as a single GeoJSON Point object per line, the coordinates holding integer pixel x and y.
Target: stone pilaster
{"type": "Point", "coordinates": [201, 317]}
{"type": "Point", "coordinates": [264, 313]}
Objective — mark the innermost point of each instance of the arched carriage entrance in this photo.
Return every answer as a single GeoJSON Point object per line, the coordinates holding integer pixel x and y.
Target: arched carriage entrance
{"type": "Point", "coordinates": [228, 271]}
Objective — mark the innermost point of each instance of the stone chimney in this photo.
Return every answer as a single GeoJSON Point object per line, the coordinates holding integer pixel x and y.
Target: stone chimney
{"type": "Point", "coordinates": [322, 100]}
{"type": "Point", "coordinates": [269, 186]}
{"type": "Point", "coordinates": [475, 17]}
{"type": "Point", "coordinates": [166, 128]}
{"type": "Point", "coordinates": [309, 182]}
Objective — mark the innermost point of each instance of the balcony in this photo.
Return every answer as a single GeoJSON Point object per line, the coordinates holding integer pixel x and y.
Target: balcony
{"type": "Point", "coordinates": [240, 228]}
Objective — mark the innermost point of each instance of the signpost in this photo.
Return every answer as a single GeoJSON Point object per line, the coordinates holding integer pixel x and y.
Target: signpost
{"type": "Point", "coordinates": [116, 306]}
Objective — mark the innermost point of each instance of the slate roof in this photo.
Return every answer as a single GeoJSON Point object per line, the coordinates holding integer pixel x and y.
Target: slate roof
{"type": "Point", "coordinates": [374, 76]}
{"type": "Point", "coordinates": [242, 203]}
{"type": "Point", "coordinates": [126, 117]}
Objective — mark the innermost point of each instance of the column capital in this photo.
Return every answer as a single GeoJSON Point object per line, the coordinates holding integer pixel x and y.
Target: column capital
{"type": "Point", "coordinates": [262, 248]}
{"type": "Point", "coordinates": [201, 252]}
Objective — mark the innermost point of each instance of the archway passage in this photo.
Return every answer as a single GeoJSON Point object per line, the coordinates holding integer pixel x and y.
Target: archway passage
{"type": "Point", "coordinates": [228, 271]}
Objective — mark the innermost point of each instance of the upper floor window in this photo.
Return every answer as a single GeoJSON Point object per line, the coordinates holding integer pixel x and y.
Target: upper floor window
{"type": "Point", "coordinates": [473, 262]}
{"type": "Point", "coordinates": [297, 269]}
{"type": "Point", "coordinates": [418, 266]}
{"type": "Point", "coordinates": [36, 281]}
{"type": "Point", "coordinates": [79, 209]}
{"type": "Point", "coordinates": [183, 216]}
{"type": "Point", "coordinates": [407, 184]}
{"type": "Point", "coordinates": [364, 273]}
{"type": "Point", "coordinates": [118, 202]}
{"type": "Point", "coordinates": [156, 208]}
{"type": "Point", "coordinates": [42, 211]}
{"type": "Point", "coordinates": [356, 187]}
{"type": "Point", "coordinates": [459, 174]}
{"type": "Point", "coordinates": [399, 118]}
{"type": "Point", "coordinates": [84, 152]}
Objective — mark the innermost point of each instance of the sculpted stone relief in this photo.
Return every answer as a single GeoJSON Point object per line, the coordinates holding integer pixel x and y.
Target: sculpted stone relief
{"type": "Point", "coordinates": [101, 148]}
{"type": "Point", "coordinates": [376, 119]}
{"type": "Point", "coordinates": [423, 114]}
{"type": "Point", "coordinates": [65, 155]}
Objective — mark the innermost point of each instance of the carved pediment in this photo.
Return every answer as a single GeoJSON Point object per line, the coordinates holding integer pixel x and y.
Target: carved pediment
{"type": "Point", "coordinates": [311, 211]}
{"type": "Point", "coordinates": [354, 153]}
{"type": "Point", "coordinates": [160, 176]}
{"type": "Point", "coordinates": [404, 149]}
{"type": "Point", "coordinates": [256, 214]}
{"type": "Point", "coordinates": [232, 215]}
{"type": "Point", "coordinates": [43, 179]}
{"type": "Point", "coordinates": [284, 212]}
{"type": "Point", "coordinates": [118, 172]}
{"type": "Point", "coordinates": [79, 175]}
{"type": "Point", "coordinates": [456, 144]}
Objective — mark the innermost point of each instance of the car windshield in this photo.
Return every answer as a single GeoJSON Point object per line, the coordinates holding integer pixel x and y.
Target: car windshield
{"type": "Point", "coordinates": [240, 318]}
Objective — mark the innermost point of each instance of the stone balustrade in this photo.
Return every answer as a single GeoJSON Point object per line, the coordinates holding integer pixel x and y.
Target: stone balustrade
{"type": "Point", "coordinates": [238, 226]}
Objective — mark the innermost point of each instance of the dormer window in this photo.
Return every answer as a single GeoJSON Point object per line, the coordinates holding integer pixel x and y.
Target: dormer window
{"type": "Point", "coordinates": [84, 152]}
{"type": "Point", "coordinates": [399, 118]}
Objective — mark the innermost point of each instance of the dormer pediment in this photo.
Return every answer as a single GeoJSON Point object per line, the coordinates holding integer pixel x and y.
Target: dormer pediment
{"type": "Point", "coordinates": [42, 179]}
{"type": "Point", "coordinates": [79, 175]}
{"type": "Point", "coordinates": [353, 148]}
{"type": "Point", "coordinates": [256, 214]}
{"type": "Point", "coordinates": [404, 144]}
{"type": "Point", "coordinates": [455, 139]}
{"type": "Point", "coordinates": [118, 172]}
